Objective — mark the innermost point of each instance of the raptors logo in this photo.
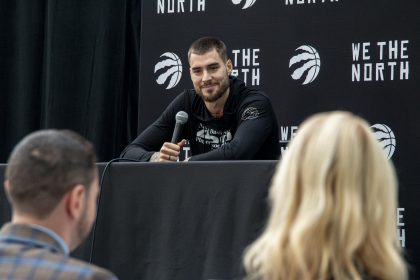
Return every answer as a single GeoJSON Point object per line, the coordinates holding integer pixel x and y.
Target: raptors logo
{"type": "Point", "coordinates": [248, 3]}
{"type": "Point", "coordinates": [386, 137]}
{"type": "Point", "coordinates": [306, 64]}
{"type": "Point", "coordinates": [169, 68]}
{"type": "Point", "coordinates": [250, 113]}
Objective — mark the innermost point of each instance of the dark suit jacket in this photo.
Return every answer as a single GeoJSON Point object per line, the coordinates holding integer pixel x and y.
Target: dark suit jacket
{"type": "Point", "coordinates": [27, 252]}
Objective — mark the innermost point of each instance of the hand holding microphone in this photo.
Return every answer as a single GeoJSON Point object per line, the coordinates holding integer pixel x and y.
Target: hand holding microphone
{"type": "Point", "coordinates": [170, 150]}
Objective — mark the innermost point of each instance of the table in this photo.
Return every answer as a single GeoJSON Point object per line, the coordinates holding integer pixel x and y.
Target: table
{"type": "Point", "coordinates": [190, 220]}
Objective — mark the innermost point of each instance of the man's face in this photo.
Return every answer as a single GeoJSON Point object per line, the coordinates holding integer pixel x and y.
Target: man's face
{"type": "Point", "coordinates": [210, 75]}
{"type": "Point", "coordinates": [85, 223]}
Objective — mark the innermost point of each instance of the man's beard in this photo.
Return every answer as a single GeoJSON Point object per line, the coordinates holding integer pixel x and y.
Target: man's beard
{"type": "Point", "coordinates": [224, 85]}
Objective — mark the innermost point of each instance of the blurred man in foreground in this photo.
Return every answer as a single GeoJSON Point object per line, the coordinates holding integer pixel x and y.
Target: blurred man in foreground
{"type": "Point", "coordinates": [52, 184]}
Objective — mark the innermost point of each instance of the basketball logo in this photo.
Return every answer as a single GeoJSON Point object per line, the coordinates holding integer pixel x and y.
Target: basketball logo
{"type": "Point", "coordinates": [386, 137]}
{"type": "Point", "coordinates": [169, 68]}
{"type": "Point", "coordinates": [248, 3]}
{"type": "Point", "coordinates": [306, 63]}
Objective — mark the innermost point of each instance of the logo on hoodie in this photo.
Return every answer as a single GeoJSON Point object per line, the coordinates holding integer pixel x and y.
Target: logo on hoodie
{"type": "Point", "coordinates": [250, 113]}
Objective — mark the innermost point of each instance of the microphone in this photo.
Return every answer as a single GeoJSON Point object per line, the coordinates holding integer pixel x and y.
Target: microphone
{"type": "Point", "coordinates": [180, 119]}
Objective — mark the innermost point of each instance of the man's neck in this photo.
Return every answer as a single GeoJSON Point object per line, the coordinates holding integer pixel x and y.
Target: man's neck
{"type": "Point", "coordinates": [216, 108]}
{"type": "Point", "coordinates": [52, 223]}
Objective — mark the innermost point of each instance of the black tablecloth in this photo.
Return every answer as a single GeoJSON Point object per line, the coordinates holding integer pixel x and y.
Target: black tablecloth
{"type": "Point", "coordinates": [189, 220]}
{"type": "Point", "coordinates": [180, 221]}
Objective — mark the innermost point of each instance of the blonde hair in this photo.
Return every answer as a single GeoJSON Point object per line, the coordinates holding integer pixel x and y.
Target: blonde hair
{"type": "Point", "coordinates": [333, 207]}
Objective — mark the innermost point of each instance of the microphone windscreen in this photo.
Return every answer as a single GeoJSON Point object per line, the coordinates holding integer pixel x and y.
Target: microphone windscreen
{"type": "Point", "coordinates": [181, 117]}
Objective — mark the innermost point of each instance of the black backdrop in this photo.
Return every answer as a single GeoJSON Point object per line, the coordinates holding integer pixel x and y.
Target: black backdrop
{"type": "Point", "coordinates": [364, 57]}
{"type": "Point", "coordinates": [69, 64]}
{"type": "Point", "coordinates": [263, 36]}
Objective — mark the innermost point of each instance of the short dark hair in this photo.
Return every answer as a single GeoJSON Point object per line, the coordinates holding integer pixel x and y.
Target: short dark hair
{"type": "Point", "coordinates": [206, 44]}
{"type": "Point", "coordinates": [44, 166]}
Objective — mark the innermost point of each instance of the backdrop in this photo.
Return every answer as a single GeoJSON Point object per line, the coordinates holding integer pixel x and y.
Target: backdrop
{"type": "Point", "coordinates": [308, 56]}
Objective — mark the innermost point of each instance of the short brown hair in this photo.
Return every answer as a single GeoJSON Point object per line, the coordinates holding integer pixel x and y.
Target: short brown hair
{"type": "Point", "coordinates": [206, 44]}
{"type": "Point", "coordinates": [44, 166]}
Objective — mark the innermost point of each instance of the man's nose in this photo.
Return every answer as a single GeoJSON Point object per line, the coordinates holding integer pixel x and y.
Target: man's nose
{"type": "Point", "coordinates": [206, 76]}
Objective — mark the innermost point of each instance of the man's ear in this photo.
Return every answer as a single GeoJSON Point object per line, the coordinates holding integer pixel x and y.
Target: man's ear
{"type": "Point", "coordinates": [75, 200]}
{"type": "Point", "coordinates": [229, 66]}
{"type": "Point", "coordinates": [6, 186]}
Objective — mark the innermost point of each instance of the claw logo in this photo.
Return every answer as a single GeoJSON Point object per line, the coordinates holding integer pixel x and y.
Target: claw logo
{"type": "Point", "coordinates": [386, 137]}
{"type": "Point", "coordinates": [305, 64]}
{"type": "Point", "coordinates": [250, 113]}
{"type": "Point", "coordinates": [248, 3]}
{"type": "Point", "coordinates": [168, 68]}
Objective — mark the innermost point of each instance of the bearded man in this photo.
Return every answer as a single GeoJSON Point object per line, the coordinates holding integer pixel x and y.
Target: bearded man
{"type": "Point", "coordinates": [227, 120]}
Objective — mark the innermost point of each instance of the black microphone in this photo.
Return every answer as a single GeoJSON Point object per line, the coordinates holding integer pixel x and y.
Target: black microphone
{"type": "Point", "coordinates": [180, 119]}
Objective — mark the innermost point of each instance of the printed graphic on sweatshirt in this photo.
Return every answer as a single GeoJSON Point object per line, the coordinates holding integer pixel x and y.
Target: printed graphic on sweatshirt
{"type": "Point", "coordinates": [210, 136]}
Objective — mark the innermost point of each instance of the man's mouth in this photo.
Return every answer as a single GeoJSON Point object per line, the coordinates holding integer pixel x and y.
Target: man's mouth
{"type": "Point", "coordinates": [208, 86]}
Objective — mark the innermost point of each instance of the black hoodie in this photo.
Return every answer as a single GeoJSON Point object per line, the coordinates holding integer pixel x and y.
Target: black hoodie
{"type": "Point", "coordinates": [247, 130]}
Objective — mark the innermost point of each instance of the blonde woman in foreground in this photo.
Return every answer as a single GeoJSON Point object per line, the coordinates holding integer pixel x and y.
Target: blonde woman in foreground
{"type": "Point", "coordinates": [333, 208]}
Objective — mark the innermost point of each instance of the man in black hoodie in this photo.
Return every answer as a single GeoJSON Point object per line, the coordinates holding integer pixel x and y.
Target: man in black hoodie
{"type": "Point", "coordinates": [227, 120]}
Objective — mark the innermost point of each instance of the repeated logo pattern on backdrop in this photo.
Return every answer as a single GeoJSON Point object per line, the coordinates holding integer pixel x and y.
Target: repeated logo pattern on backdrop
{"type": "Point", "coordinates": [382, 132]}
{"type": "Point", "coordinates": [369, 67]}
{"type": "Point", "coordinates": [179, 6]}
{"type": "Point", "coordinates": [247, 3]}
{"type": "Point", "coordinates": [168, 70]}
{"type": "Point", "coordinates": [305, 64]}
{"type": "Point", "coordinates": [386, 137]}
{"type": "Point", "coordinates": [380, 61]}
{"type": "Point", "coordinates": [246, 65]}
{"type": "Point", "coordinates": [308, 2]}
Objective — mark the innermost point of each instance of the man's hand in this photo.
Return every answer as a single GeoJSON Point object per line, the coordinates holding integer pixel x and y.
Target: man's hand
{"type": "Point", "coordinates": [169, 152]}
